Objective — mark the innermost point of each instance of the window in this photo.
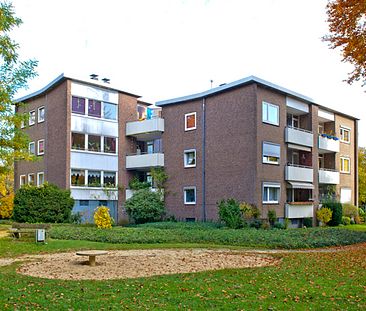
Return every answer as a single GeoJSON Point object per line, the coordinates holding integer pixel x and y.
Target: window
{"type": "Point", "coordinates": [40, 179]}
{"type": "Point", "coordinates": [94, 108]}
{"type": "Point", "coordinates": [190, 121]}
{"type": "Point", "coordinates": [94, 143]}
{"type": "Point", "coordinates": [77, 141]}
{"type": "Point", "coordinates": [78, 105]}
{"type": "Point", "coordinates": [84, 203]}
{"type": "Point", "coordinates": [41, 116]}
{"type": "Point", "coordinates": [345, 165]}
{"type": "Point", "coordinates": [271, 153]}
{"type": "Point", "coordinates": [41, 147]}
{"type": "Point", "coordinates": [270, 113]}
{"type": "Point", "coordinates": [346, 195]}
{"type": "Point", "coordinates": [345, 133]}
{"type": "Point", "coordinates": [32, 117]}
{"type": "Point", "coordinates": [110, 111]}
{"type": "Point", "coordinates": [190, 195]}
{"type": "Point", "coordinates": [190, 158]}
{"type": "Point", "coordinates": [109, 179]}
{"type": "Point", "coordinates": [110, 145]}
{"type": "Point", "coordinates": [31, 179]}
{"type": "Point", "coordinates": [271, 193]}
{"type": "Point", "coordinates": [77, 177]}
{"type": "Point", "coordinates": [103, 203]}
{"type": "Point", "coordinates": [32, 148]}
{"type": "Point", "coordinates": [150, 147]}
{"type": "Point", "coordinates": [22, 180]}
{"type": "Point", "coordinates": [94, 178]}
{"type": "Point", "coordinates": [141, 112]}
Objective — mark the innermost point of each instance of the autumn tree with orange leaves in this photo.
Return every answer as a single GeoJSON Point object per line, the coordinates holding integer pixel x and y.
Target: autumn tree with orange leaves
{"type": "Point", "coordinates": [347, 27]}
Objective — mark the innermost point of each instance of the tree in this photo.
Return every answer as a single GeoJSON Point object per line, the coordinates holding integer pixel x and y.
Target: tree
{"type": "Point", "coordinates": [14, 75]}
{"type": "Point", "coordinates": [6, 194]}
{"type": "Point", "coordinates": [347, 26]}
{"type": "Point", "coordinates": [362, 176]}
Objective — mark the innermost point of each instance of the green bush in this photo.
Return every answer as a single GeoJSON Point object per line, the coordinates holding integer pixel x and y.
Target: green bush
{"type": "Point", "coordinates": [308, 222]}
{"type": "Point", "coordinates": [324, 215]}
{"type": "Point", "coordinates": [349, 210]}
{"type": "Point", "coordinates": [249, 211]}
{"type": "Point", "coordinates": [346, 220]}
{"type": "Point", "coordinates": [336, 209]}
{"type": "Point", "coordinates": [272, 216]}
{"type": "Point", "coordinates": [230, 213]}
{"type": "Point", "coordinates": [47, 203]}
{"type": "Point", "coordinates": [145, 206]}
{"type": "Point", "coordinates": [135, 184]}
{"type": "Point", "coordinates": [278, 225]}
{"type": "Point", "coordinates": [257, 223]}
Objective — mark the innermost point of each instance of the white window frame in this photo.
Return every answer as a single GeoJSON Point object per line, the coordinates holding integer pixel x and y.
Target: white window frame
{"type": "Point", "coordinates": [20, 180]}
{"type": "Point", "coordinates": [29, 148]}
{"type": "Point", "coordinates": [341, 197]}
{"type": "Point", "coordinates": [38, 114]}
{"type": "Point", "coordinates": [265, 118]}
{"type": "Point", "coordinates": [267, 161]}
{"type": "Point", "coordinates": [195, 195]}
{"type": "Point", "coordinates": [342, 164]}
{"type": "Point", "coordinates": [185, 158]}
{"type": "Point", "coordinates": [271, 185]}
{"type": "Point", "coordinates": [38, 174]}
{"type": "Point", "coordinates": [341, 132]}
{"type": "Point", "coordinates": [185, 121]}
{"type": "Point", "coordinates": [30, 121]}
{"type": "Point", "coordinates": [34, 177]}
{"type": "Point", "coordinates": [38, 142]}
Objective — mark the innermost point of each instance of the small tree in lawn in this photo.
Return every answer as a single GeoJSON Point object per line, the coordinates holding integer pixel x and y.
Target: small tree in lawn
{"type": "Point", "coordinates": [102, 218]}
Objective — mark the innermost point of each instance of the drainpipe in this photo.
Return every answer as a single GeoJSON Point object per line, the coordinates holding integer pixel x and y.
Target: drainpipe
{"type": "Point", "coordinates": [204, 159]}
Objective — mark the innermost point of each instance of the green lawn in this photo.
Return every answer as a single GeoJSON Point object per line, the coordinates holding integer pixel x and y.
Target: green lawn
{"type": "Point", "coordinates": [312, 281]}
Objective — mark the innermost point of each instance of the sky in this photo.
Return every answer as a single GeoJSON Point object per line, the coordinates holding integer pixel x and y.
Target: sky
{"type": "Point", "coordinates": [163, 49]}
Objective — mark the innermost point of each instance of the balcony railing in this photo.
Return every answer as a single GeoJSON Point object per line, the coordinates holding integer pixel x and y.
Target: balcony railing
{"type": "Point", "coordinates": [328, 176]}
{"type": "Point", "coordinates": [326, 144]}
{"type": "Point", "coordinates": [144, 160]}
{"type": "Point", "coordinates": [298, 173]}
{"type": "Point", "coordinates": [299, 210]}
{"type": "Point", "coordinates": [299, 136]}
{"type": "Point", "coordinates": [146, 129]}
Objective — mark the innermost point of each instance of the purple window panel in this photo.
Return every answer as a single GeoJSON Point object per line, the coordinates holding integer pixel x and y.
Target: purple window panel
{"type": "Point", "coordinates": [78, 105]}
{"type": "Point", "coordinates": [94, 108]}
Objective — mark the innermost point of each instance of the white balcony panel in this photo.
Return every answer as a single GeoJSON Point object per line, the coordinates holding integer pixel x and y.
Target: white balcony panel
{"type": "Point", "coordinates": [297, 105]}
{"type": "Point", "coordinates": [327, 145]}
{"type": "Point", "coordinates": [299, 137]}
{"type": "Point", "coordinates": [129, 192]}
{"type": "Point", "coordinates": [93, 194]}
{"type": "Point", "coordinates": [325, 116]}
{"type": "Point", "coordinates": [94, 161]}
{"type": "Point", "coordinates": [145, 161]}
{"type": "Point", "coordinates": [299, 211]}
{"type": "Point", "coordinates": [328, 177]}
{"type": "Point", "coordinates": [93, 92]}
{"type": "Point", "coordinates": [94, 126]}
{"type": "Point", "coordinates": [146, 129]}
{"type": "Point", "coordinates": [299, 173]}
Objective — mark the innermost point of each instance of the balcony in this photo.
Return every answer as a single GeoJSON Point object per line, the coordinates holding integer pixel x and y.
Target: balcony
{"type": "Point", "coordinates": [299, 210]}
{"type": "Point", "coordinates": [327, 145]}
{"type": "Point", "coordinates": [130, 192]}
{"type": "Point", "coordinates": [298, 136]}
{"type": "Point", "coordinates": [144, 161]}
{"type": "Point", "coordinates": [145, 130]}
{"type": "Point", "coordinates": [298, 173]}
{"type": "Point", "coordinates": [327, 176]}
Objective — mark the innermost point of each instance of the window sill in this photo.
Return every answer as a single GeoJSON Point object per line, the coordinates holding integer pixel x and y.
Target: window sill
{"type": "Point", "coordinates": [270, 123]}
{"type": "Point", "coordinates": [271, 203]}
{"type": "Point", "coordinates": [93, 118]}
{"type": "Point", "coordinates": [271, 163]}
{"type": "Point", "coordinates": [187, 203]}
{"type": "Point", "coordinates": [190, 166]}
{"type": "Point", "coordinates": [190, 129]}
{"type": "Point", "coordinates": [93, 188]}
{"type": "Point", "coordinates": [94, 152]}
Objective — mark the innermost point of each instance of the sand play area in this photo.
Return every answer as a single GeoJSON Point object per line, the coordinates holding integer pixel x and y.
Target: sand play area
{"type": "Point", "coordinates": [137, 263]}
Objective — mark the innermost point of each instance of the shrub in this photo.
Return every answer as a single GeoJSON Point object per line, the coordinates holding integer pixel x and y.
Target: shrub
{"type": "Point", "coordinates": [349, 210]}
{"type": "Point", "coordinates": [135, 184]}
{"type": "Point", "coordinates": [308, 222]}
{"type": "Point", "coordinates": [279, 225]}
{"type": "Point", "coordinates": [265, 225]}
{"type": "Point", "coordinates": [6, 206]}
{"type": "Point", "coordinates": [346, 220]}
{"type": "Point", "coordinates": [249, 211]}
{"type": "Point", "coordinates": [358, 220]}
{"type": "Point", "coordinates": [145, 206]}
{"type": "Point", "coordinates": [324, 215]}
{"type": "Point", "coordinates": [76, 218]}
{"type": "Point", "coordinates": [230, 213]}
{"type": "Point", "coordinates": [336, 209]}
{"type": "Point", "coordinates": [47, 203]}
{"type": "Point", "coordinates": [272, 216]}
{"type": "Point", "coordinates": [257, 223]}
{"type": "Point", "coordinates": [102, 218]}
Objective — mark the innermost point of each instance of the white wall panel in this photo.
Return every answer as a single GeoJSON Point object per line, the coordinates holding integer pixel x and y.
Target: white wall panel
{"type": "Point", "coordinates": [91, 161]}
{"type": "Point", "coordinates": [82, 90]}
{"type": "Point", "coordinates": [93, 126]}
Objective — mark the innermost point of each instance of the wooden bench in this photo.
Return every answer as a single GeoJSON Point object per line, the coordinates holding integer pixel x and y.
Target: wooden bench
{"type": "Point", "coordinates": [19, 230]}
{"type": "Point", "coordinates": [92, 255]}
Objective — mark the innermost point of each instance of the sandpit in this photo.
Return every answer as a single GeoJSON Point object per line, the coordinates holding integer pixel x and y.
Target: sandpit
{"type": "Point", "coordinates": [140, 263]}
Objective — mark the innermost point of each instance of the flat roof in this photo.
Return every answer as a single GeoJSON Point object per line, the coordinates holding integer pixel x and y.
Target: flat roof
{"type": "Point", "coordinates": [242, 82]}
{"type": "Point", "coordinates": [62, 77]}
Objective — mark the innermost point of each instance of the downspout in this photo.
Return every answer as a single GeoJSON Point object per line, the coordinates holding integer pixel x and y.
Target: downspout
{"type": "Point", "coordinates": [204, 159]}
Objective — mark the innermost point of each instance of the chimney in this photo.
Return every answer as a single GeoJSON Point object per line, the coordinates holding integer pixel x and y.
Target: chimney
{"type": "Point", "coordinates": [93, 76]}
{"type": "Point", "coordinates": [106, 80]}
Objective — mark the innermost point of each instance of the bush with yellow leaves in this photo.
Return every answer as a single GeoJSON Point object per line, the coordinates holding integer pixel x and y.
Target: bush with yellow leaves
{"type": "Point", "coordinates": [6, 206]}
{"type": "Point", "coordinates": [324, 215]}
{"type": "Point", "coordinates": [102, 218]}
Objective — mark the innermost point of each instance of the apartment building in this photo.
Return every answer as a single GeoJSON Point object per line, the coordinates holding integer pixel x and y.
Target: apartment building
{"type": "Point", "coordinates": [91, 138]}
{"type": "Point", "coordinates": [259, 143]}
